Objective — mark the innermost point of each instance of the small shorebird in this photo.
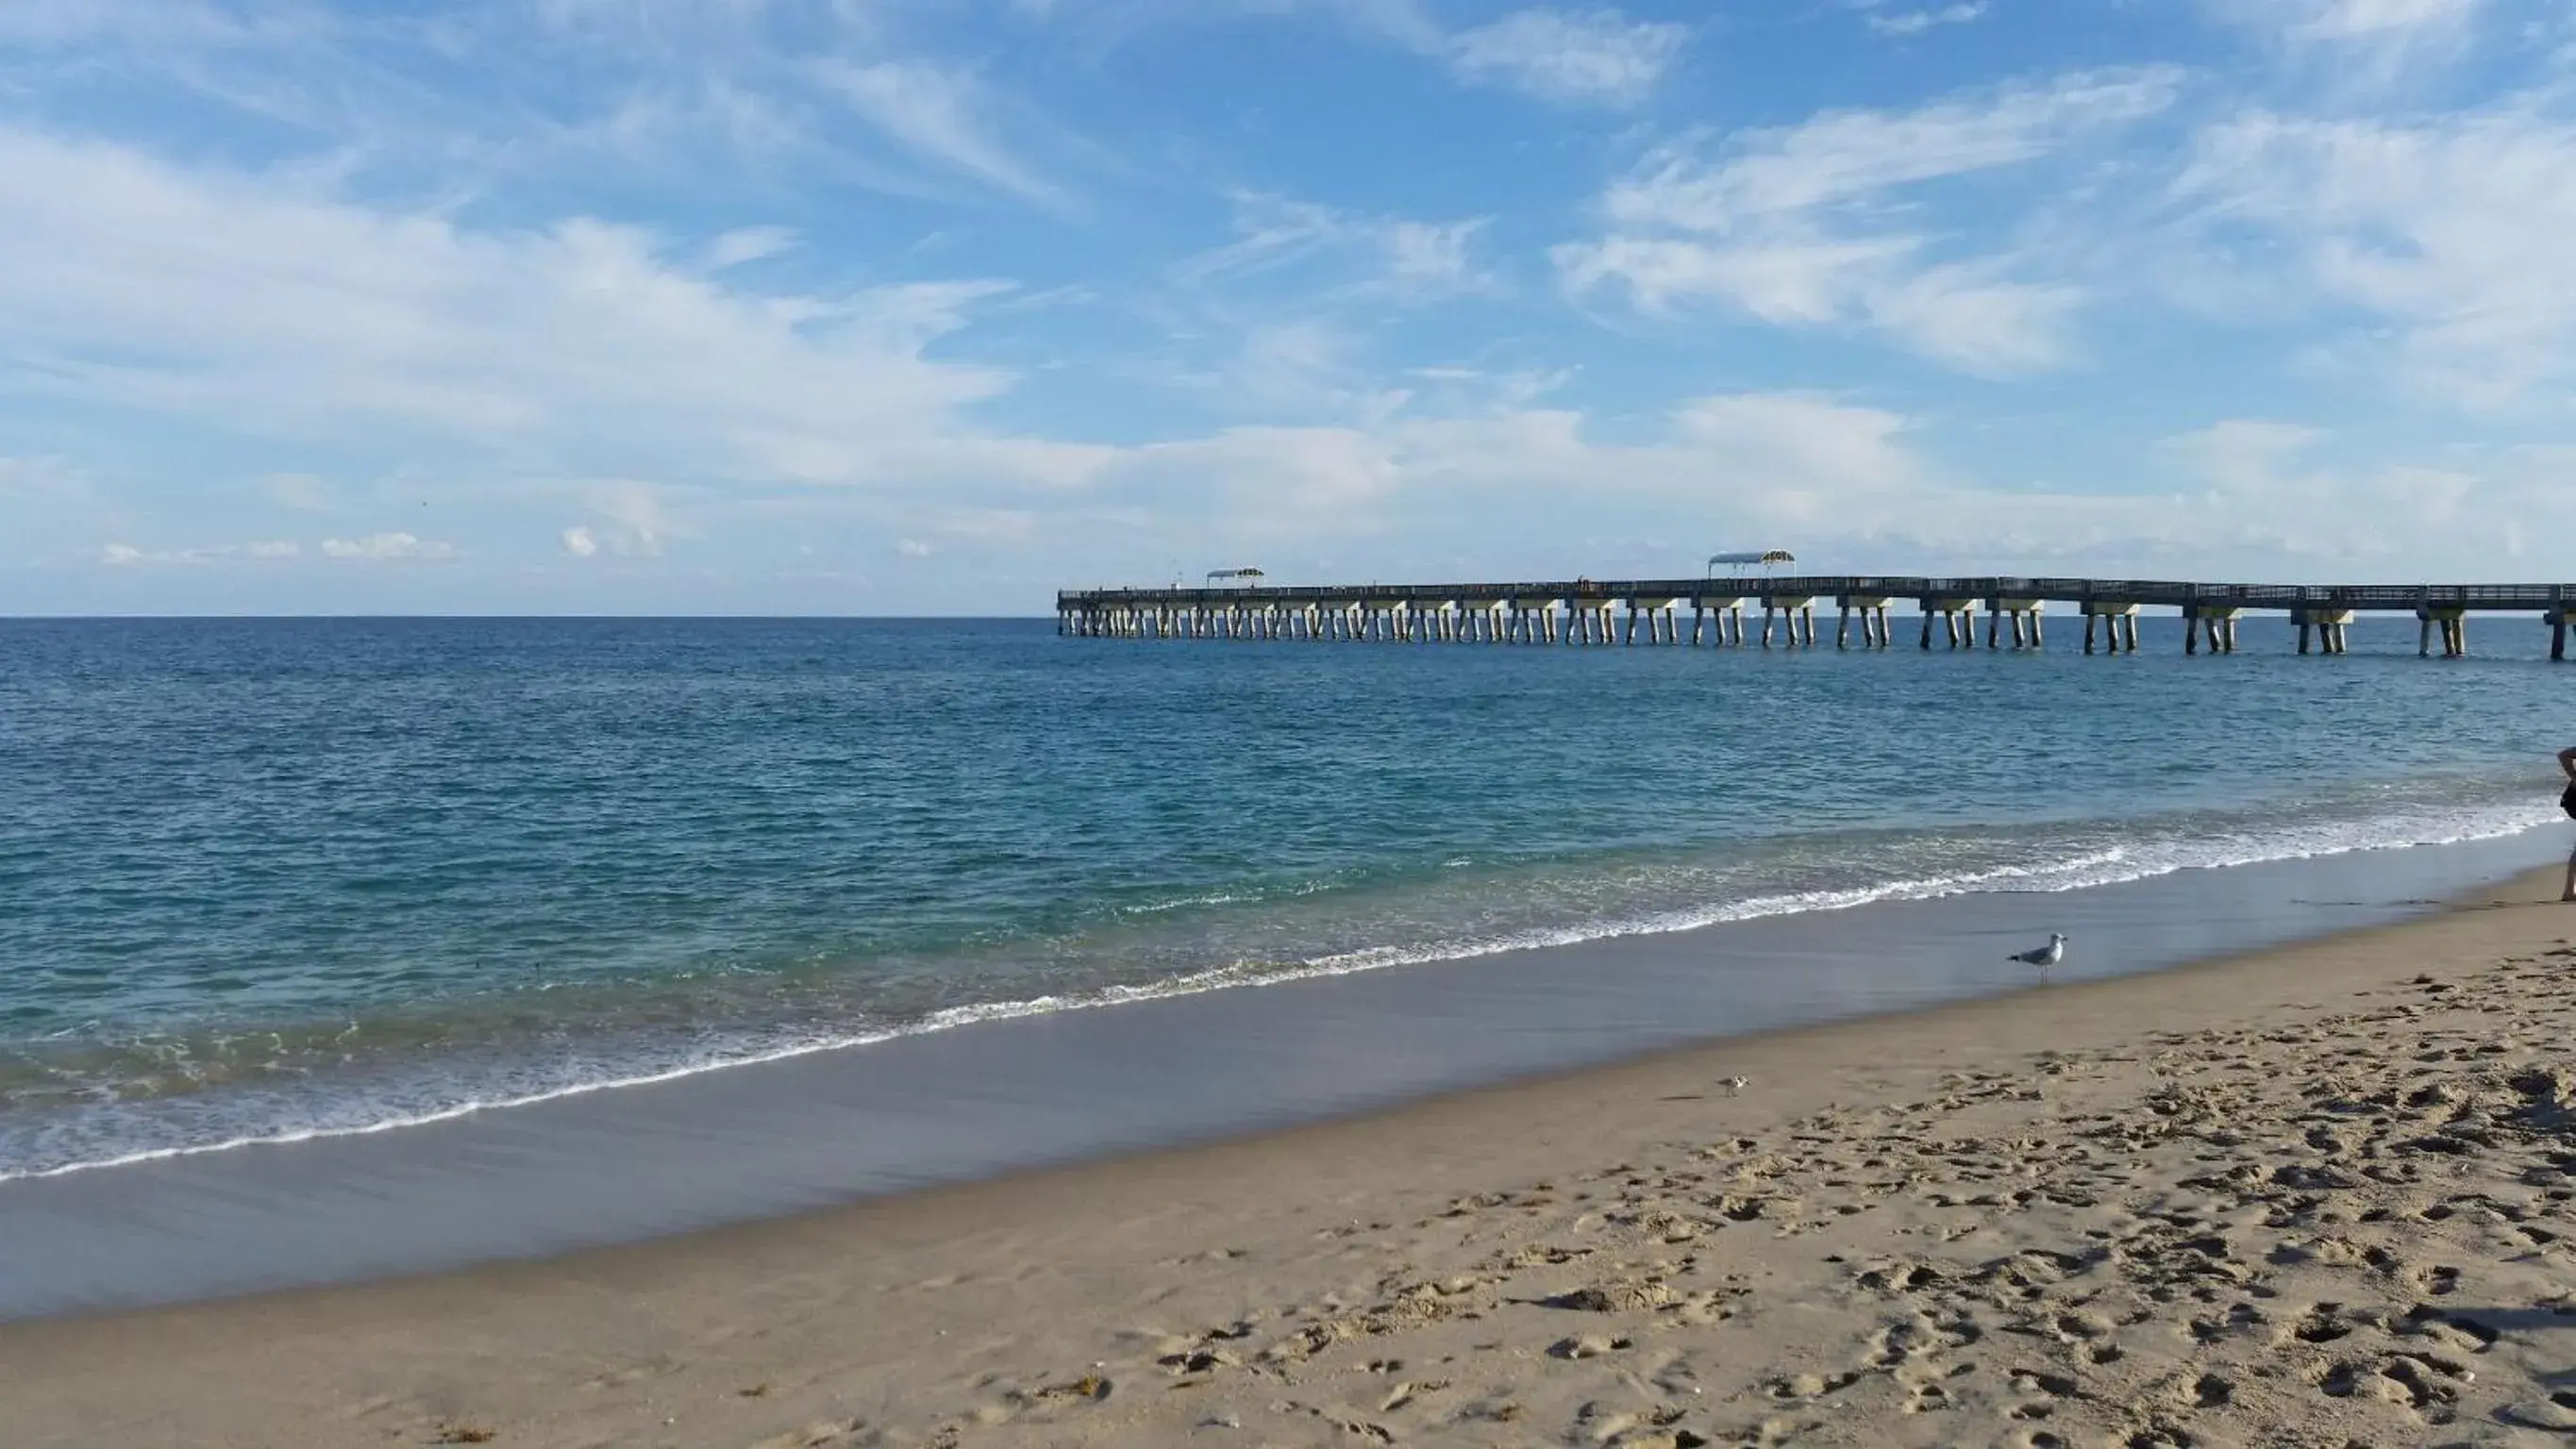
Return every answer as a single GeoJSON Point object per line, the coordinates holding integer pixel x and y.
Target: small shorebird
{"type": "Point", "coordinates": [2046, 956]}
{"type": "Point", "coordinates": [1734, 1085]}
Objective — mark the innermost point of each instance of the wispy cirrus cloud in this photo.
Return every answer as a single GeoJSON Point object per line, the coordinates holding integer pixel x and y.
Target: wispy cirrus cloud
{"type": "Point", "coordinates": [2364, 43]}
{"type": "Point", "coordinates": [268, 305]}
{"type": "Point", "coordinates": [1901, 24]}
{"type": "Point", "coordinates": [1575, 57]}
{"type": "Point", "coordinates": [1372, 256]}
{"type": "Point", "coordinates": [1578, 56]}
{"type": "Point", "coordinates": [386, 548]}
{"type": "Point", "coordinates": [126, 555]}
{"type": "Point", "coordinates": [2349, 21]}
{"type": "Point", "coordinates": [941, 113]}
{"type": "Point", "coordinates": [2442, 237]}
{"type": "Point", "coordinates": [1801, 227]}
{"type": "Point", "coordinates": [749, 244]}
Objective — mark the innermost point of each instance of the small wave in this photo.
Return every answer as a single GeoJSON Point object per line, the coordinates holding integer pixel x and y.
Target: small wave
{"type": "Point", "coordinates": [1155, 908]}
{"type": "Point", "coordinates": [2106, 866]}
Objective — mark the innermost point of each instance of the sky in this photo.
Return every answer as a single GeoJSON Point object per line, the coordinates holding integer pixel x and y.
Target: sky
{"type": "Point", "coordinates": [853, 306]}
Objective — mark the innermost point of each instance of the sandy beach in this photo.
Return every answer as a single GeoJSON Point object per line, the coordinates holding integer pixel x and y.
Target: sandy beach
{"type": "Point", "coordinates": [2319, 1195]}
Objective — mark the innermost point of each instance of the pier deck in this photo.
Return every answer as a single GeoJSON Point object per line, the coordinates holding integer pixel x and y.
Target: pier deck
{"type": "Point", "coordinates": [1588, 611]}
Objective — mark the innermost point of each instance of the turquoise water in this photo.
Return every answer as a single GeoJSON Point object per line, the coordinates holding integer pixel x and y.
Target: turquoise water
{"type": "Point", "coordinates": [265, 879]}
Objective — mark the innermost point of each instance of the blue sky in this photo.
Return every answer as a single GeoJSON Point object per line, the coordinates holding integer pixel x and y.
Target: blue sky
{"type": "Point", "coordinates": [833, 306]}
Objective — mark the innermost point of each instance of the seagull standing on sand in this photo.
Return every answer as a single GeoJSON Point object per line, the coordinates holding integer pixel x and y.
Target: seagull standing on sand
{"type": "Point", "coordinates": [2046, 956]}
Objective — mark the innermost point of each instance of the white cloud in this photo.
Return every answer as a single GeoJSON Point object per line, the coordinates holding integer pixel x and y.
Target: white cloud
{"type": "Point", "coordinates": [1429, 258]}
{"type": "Point", "coordinates": [266, 305]}
{"type": "Point", "coordinates": [126, 555]}
{"type": "Point", "coordinates": [2448, 234]}
{"type": "Point", "coordinates": [913, 548]}
{"type": "Point", "coordinates": [385, 546]}
{"type": "Point", "coordinates": [2287, 500]}
{"type": "Point", "coordinates": [749, 244]}
{"type": "Point", "coordinates": [1575, 57]}
{"type": "Point", "coordinates": [578, 542]}
{"type": "Point", "coordinates": [939, 114]}
{"type": "Point", "coordinates": [2335, 21]}
{"type": "Point", "coordinates": [1407, 260]}
{"type": "Point", "coordinates": [2361, 44]}
{"type": "Point", "coordinates": [1791, 227]}
{"type": "Point", "coordinates": [1914, 22]}
{"type": "Point", "coordinates": [1844, 157]}
{"type": "Point", "coordinates": [633, 519]}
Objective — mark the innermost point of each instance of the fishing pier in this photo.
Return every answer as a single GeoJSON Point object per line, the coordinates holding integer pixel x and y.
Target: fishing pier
{"type": "Point", "coordinates": [1648, 612]}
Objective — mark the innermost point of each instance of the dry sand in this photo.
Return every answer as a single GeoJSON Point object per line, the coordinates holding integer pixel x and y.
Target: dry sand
{"type": "Point", "coordinates": [2324, 1195]}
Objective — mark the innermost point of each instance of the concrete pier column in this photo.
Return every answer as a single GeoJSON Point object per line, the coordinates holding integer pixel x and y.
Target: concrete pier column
{"type": "Point", "coordinates": [1842, 628]}
{"type": "Point", "coordinates": [2424, 634]}
{"type": "Point", "coordinates": [1767, 612]}
{"type": "Point", "coordinates": [1807, 623]}
{"type": "Point", "coordinates": [1927, 628]}
{"type": "Point", "coordinates": [1994, 625]}
{"type": "Point", "coordinates": [2557, 619]}
{"type": "Point", "coordinates": [2190, 633]}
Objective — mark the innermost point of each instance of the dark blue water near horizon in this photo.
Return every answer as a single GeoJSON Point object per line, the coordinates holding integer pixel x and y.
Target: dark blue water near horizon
{"type": "Point", "coordinates": [264, 878]}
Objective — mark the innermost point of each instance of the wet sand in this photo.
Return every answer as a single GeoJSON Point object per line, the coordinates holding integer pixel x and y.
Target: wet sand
{"type": "Point", "coordinates": [2323, 1194]}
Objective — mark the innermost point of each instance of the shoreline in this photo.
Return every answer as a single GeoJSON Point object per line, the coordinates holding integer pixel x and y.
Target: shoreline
{"type": "Point", "coordinates": [1564, 1244]}
{"type": "Point", "coordinates": [999, 1098]}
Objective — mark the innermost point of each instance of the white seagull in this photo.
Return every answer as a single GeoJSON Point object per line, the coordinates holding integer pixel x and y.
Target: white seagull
{"type": "Point", "coordinates": [2046, 956]}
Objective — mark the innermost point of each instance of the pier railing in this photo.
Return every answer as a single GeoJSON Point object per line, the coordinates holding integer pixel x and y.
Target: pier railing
{"type": "Point", "coordinates": [1583, 610]}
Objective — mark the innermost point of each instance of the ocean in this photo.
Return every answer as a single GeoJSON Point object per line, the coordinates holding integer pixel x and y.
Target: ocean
{"type": "Point", "coordinates": [276, 880]}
